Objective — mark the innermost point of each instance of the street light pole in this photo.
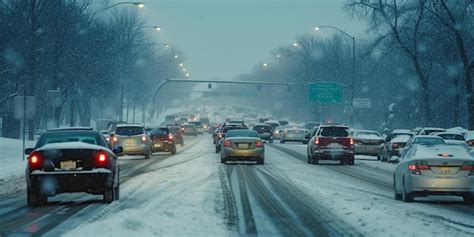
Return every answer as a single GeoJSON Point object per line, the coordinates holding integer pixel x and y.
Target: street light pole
{"type": "Point", "coordinates": [353, 66]}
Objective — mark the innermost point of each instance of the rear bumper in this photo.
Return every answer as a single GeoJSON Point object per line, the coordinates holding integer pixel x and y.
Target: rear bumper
{"type": "Point", "coordinates": [334, 154]}
{"type": "Point", "coordinates": [135, 150]}
{"type": "Point", "coordinates": [367, 149]}
{"type": "Point", "coordinates": [163, 146]}
{"type": "Point", "coordinates": [51, 183]}
{"type": "Point", "coordinates": [432, 185]}
{"type": "Point", "coordinates": [243, 154]}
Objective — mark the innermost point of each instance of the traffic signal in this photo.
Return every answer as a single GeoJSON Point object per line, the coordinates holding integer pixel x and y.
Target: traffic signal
{"type": "Point", "coordinates": [209, 86]}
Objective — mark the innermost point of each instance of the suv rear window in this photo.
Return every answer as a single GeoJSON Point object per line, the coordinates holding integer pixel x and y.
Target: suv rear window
{"type": "Point", "coordinates": [129, 131]}
{"type": "Point", "coordinates": [262, 129]}
{"type": "Point", "coordinates": [334, 132]}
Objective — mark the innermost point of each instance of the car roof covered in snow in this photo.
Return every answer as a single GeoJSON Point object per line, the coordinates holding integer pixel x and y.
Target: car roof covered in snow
{"type": "Point", "coordinates": [441, 151]}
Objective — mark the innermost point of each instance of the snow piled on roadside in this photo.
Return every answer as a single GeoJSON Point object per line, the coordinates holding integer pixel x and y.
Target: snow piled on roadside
{"type": "Point", "coordinates": [183, 198]}
{"type": "Point", "coordinates": [12, 166]}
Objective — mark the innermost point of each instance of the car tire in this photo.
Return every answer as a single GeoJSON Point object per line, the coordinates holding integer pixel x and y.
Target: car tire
{"type": "Point", "coordinates": [271, 141]}
{"type": "Point", "coordinates": [282, 141]}
{"type": "Point", "coordinates": [117, 192]}
{"type": "Point", "coordinates": [406, 197]}
{"type": "Point", "coordinates": [260, 162]}
{"type": "Point", "coordinates": [396, 195]}
{"type": "Point", "coordinates": [351, 161]}
{"type": "Point", "coordinates": [223, 161]}
{"type": "Point", "coordinates": [109, 195]}
{"type": "Point", "coordinates": [35, 199]}
{"type": "Point", "coordinates": [468, 198]}
{"type": "Point", "coordinates": [173, 151]}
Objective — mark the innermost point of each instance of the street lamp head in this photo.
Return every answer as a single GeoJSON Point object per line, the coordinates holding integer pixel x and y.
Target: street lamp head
{"type": "Point", "coordinates": [187, 75]}
{"type": "Point", "coordinates": [139, 4]}
{"type": "Point", "coordinates": [167, 45]}
{"type": "Point", "coordinates": [181, 65]}
{"type": "Point", "coordinates": [295, 44]}
{"type": "Point", "coordinates": [265, 65]}
{"type": "Point", "coordinates": [176, 56]}
{"type": "Point", "coordinates": [316, 28]}
{"type": "Point", "coordinates": [278, 56]}
{"type": "Point", "coordinates": [184, 70]}
{"type": "Point", "coordinates": [157, 28]}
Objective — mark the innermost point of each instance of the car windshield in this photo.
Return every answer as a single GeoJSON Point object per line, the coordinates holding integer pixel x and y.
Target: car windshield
{"type": "Point", "coordinates": [242, 133]}
{"type": "Point", "coordinates": [334, 132]}
{"type": "Point", "coordinates": [428, 141]}
{"type": "Point", "coordinates": [61, 137]}
{"type": "Point", "coordinates": [129, 131]}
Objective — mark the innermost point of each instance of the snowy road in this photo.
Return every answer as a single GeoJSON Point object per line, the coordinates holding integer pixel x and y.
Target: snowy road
{"type": "Point", "coordinates": [191, 193]}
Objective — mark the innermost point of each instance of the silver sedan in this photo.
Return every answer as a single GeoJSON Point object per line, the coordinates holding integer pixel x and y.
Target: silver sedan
{"type": "Point", "coordinates": [435, 170]}
{"type": "Point", "coordinates": [242, 145]}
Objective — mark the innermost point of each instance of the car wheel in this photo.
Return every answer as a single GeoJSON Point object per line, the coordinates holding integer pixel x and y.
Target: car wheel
{"type": "Point", "coordinates": [282, 141]}
{"type": "Point", "coordinates": [173, 151]}
{"type": "Point", "coordinates": [468, 198]}
{"type": "Point", "coordinates": [223, 161]}
{"type": "Point", "coordinates": [260, 161]}
{"type": "Point", "coordinates": [406, 197]}
{"type": "Point", "coordinates": [117, 192]}
{"type": "Point", "coordinates": [396, 195]}
{"type": "Point", "coordinates": [378, 157]}
{"type": "Point", "coordinates": [109, 195]}
{"type": "Point", "coordinates": [271, 141]}
{"type": "Point", "coordinates": [351, 161]}
{"type": "Point", "coordinates": [36, 199]}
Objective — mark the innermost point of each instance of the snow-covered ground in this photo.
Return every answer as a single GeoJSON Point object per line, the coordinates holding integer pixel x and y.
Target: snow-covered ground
{"type": "Point", "coordinates": [12, 165]}
{"type": "Point", "coordinates": [370, 209]}
{"type": "Point", "coordinates": [180, 196]}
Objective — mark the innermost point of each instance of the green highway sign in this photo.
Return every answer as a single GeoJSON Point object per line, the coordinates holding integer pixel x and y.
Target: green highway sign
{"type": "Point", "coordinates": [326, 92]}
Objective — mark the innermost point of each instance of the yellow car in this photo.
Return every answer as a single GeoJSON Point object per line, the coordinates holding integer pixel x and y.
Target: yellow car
{"type": "Point", "coordinates": [243, 145]}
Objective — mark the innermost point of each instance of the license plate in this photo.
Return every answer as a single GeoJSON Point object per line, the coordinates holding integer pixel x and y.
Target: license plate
{"type": "Point", "coordinates": [68, 165]}
{"type": "Point", "coordinates": [158, 145]}
{"type": "Point", "coordinates": [244, 146]}
{"type": "Point", "coordinates": [130, 142]}
{"type": "Point", "coordinates": [445, 170]}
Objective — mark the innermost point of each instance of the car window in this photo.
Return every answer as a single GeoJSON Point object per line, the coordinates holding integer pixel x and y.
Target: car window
{"type": "Point", "coordinates": [457, 137]}
{"type": "Point", "coordinates": [262, 129]}
{"type": "Point", "coordinates": [90, 138]}
{"type": "Point", "coordinates": [334, 132]}
{"type": "Point", "coordinates": [129, 131]}
{"type": "Point", "coordinates": [242, 133]}
{"type": "Point", "coordinates": [428, 141]}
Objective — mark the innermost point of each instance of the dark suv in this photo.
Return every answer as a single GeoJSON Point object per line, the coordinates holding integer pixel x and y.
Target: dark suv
{"type": "Point", "coordinates": [264, 131]}
{"type": "Point", "coordinates": [163, 140]}
{"type": "Point", "coordinates": [331, 142]}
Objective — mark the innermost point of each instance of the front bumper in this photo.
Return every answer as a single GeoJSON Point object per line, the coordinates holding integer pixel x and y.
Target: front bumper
{"type": "Point", "coordinates": [50, 183]}
{"type": "Point", "coordinates": [439, 185]}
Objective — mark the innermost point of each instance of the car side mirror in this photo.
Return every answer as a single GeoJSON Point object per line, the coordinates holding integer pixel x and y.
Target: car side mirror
{"type": "Point", "coordinates": [117, 149]}
{"type": "Point", "coordinates": [29, 151]}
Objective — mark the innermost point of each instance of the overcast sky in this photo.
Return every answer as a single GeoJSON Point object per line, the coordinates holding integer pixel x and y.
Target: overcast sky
{"type": "Point", "coordinates": [224, 38]}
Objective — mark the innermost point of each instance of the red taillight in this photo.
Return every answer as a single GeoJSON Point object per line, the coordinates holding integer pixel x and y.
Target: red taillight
{"type": "Point", "coordinates": [227, 143]}
{"type": "Point", "coordinates": [259, 144]}
{"type": "Point", "coordinates": [351, 141]}
{"type": "Point", "coordinates": [415, 167]}
{"type": "Point", "coordinates": [101, 159]}
{"type": "Point", "coordinates": [470, 143]}
{"type": "Point", "coordinates": [316, 141]}
{"type": "Point", "coordinates": [220, 135]}
{"type": "Point", "coordinates": [34, 160]}
{"type": "Point", "coordinates": [170, 137]}
{"type": "Point", "coordinates": [468, 167]}
{"type": "Point", "coordinates": [395, 146]}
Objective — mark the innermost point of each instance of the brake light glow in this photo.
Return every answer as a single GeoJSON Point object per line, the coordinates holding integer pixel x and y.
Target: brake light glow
{"type": "Point", "coordinates": [227, 143]}
{"type": "Point", "coordinates": [416, 167]}
{"type": "Point", "coordinates": [259, 144]}
{"type": "Point", "coordinates": [316, 141]}
{"type": "Point", "coordinates": [101, 159]}
{"type": "Point", "coordinates": [34, 160]}
{"type": "Point", "coordinates": [351, 141]}
{"type": "Point", "coordinates": [220, 135]}
{"type": "Point", "coordinates": [170, 137]}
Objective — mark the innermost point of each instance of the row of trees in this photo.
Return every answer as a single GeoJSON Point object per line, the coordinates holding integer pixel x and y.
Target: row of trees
{"type": "Point", "coordinates": [80, 59]}
{"type": "Point", "coordinates": [416, 67]}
